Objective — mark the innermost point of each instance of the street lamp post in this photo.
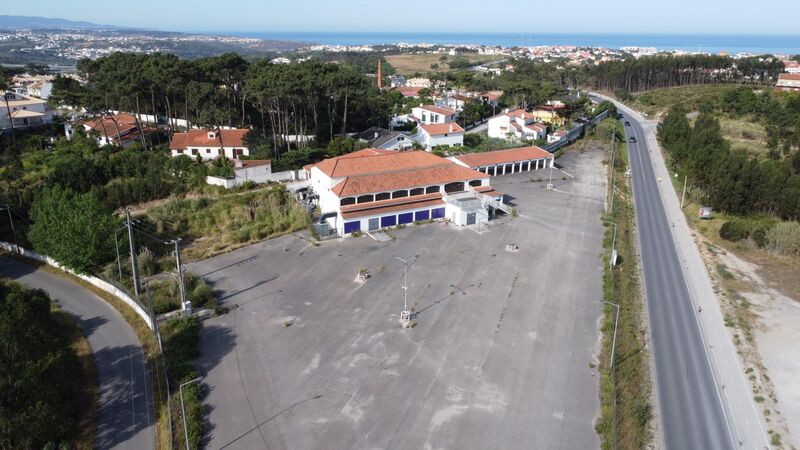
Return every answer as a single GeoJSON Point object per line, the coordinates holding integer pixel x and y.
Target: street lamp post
{"type": "Point", "coordinates": [405, 315]}
{"type": "Point", "coordinates": [116, 245]}
{"type": "Point", "coordinates": [183, 410]}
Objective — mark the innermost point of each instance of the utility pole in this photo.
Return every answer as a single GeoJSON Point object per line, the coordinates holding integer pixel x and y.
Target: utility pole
{"type": "Point", "coordinates": [613, 144]}
{"type": "Point", "coordinates": [180, 272]}
{"type": "Point", "coordinates": [13, 231]}
{"type": "Point", "coordinates": [134, 269]}
{"type": "Point", "coordinates": [683, 196]}
{"type": "Point", "coordinates": [614, 339]}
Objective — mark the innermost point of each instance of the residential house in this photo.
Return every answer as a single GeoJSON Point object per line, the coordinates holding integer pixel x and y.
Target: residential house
{"type": "Point", "coordinates": [120, 129]}
{"type": "Point", "coordinates": [556, 136]}
{"type": "Point", "coordinates": [210, 144]}
{"type": "Point", "coordinates": [397, 81]}
{"type": "Point", "coordinates": [440, 134]}
{"type": "Point", "coordinates": [418, 82]}
{"type": "Point", "coordinates": [549, 114]}
{"type": "Point", "coordinates": [492, 98]}
{"type": "Point", "coordinates": [409, 91]}
{"type": "Point", "coordinates": [385, 139]}
{"type": "Point", "coordinates": [788, 82]}
{"type": "Point", "coordinates": [23, 111]}
{"type": "Point", "coordinates": [518, 124]}
{"type": "Point", "coordinates": [371, 189]}
{"type": "Point", "coordinates": [430, 114]}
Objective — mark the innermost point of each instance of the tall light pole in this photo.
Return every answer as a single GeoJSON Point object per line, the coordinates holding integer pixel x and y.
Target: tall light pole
{"type": "Point", "coordinates": [183, 410]}
{"type": "Point", "coordinates": [180, 272]}
{"type": "Point", "coordinates": [116, 246]}
{"type": "Point", "coordinates": [614, 339]}
{"type": "Point", "coordinates": [683, 195]}
{"type": "Point", "coordinates": [405, 315]}
{"type": "Point", "coordinates": [134, 268]}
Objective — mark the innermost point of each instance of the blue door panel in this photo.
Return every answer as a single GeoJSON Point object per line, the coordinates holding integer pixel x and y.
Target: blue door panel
{"type": "Point", "coordinates": [422, 215]}
{"type": "Point", "coordinates": [405, 218]}
{"type": "Point", "coordinates": [388, 221]}
{"type": "Point", "coordinates": [350, 227]}
{"type": "Point", "coordinates": [437, 213]}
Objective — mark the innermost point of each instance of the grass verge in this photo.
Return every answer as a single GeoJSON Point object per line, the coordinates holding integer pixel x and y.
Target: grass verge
{"type": "Point", "coordinates": [625, 389]}
{"type": "Point", "coordinates": [180, 338]}
{"type": "Point", "coordinates": [88, 396]}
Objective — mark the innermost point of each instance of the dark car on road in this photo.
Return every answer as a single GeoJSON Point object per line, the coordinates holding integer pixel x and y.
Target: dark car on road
{"type": "Point", "coordinates": [632, 139]}
{"type": "Point", "coordinates": [619, 116]}
{"type": "Point", "coordinates": [627, 123]}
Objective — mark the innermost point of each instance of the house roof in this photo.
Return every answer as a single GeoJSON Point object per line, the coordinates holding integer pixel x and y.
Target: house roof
{"type": "Point", "coordinates": [199, 138]}
{"type": "Point", "coordinates": [22, 100]}
{"type": "Point", "coordinates": [376, 136]}
{"type": "Point", "coordinates": [247, 163]}
{"type": "Point", "coordinates": [126, 122]}
{"type": "Point", "coordinates": [386, 206]}
{"type": "Point", "coordinates": [447, 172]}
{"type": "Point", "coordinates": [409, 91]}
{"type": "Point", "coordinates": [438, 110]}
{"type": "Point", "coordinates": [343, 166]}
{"type": "Point", "coordinates": [789, 76]}
{"type": "Point", "coordinates": [492, 95]}
{"type": "Point", "coordinates": [510, 155]}
{"type": "Point", "coordinates": [436, 129]}
{"type": "Point", "coordinates": [24, 113]}
{"type": "Point", "coordinates": [521, 113]}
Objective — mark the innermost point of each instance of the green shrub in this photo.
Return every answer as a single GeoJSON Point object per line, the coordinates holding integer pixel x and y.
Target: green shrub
{"type": "Point", "coordinates": [759, 235]}
{"type": "Point", "coordinates": [734, 230]}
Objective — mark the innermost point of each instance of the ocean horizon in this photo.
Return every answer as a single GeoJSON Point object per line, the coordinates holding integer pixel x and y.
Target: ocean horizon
{"type": "Point", "coordinates": [710, 43]}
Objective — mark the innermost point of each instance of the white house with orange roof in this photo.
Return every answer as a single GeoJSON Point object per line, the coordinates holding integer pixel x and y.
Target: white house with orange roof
{"type": "Point", "coordinates": [210, 144]}
{"type": "Point", "coordinates": [122, 130]}
{"type": "Point", "coordinates": [372, 189]}
{"type": "Point", "coordinates": [25, 111]}
{"type": "Point", "coordinates": [431, 114]}
{"type": "Point", "coordinates": [440, 134]}
{"type": "Point", "coordinates": [518, 124]}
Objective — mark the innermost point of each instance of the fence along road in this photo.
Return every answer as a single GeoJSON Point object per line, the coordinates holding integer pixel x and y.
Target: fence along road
{"type": "Point", "coordinates": [125, 418]}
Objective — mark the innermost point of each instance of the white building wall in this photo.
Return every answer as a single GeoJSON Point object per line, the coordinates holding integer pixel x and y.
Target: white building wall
{"type": "Point", "coordinates": [451, 139]}
{"type": "Point", "coordinates": [208, 153]}
{"type": "Point", "coordinates": [496, 125]}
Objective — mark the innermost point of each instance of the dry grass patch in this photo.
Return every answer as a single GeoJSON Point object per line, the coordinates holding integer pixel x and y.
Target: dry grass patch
{"type": "Point", "coordinates": [411, 63]}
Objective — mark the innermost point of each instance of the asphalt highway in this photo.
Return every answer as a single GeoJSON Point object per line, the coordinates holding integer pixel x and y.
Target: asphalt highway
{"type": "Point", "coordinates": [691, 410]}
{"type": "Point", "coordinates": [125, 412]}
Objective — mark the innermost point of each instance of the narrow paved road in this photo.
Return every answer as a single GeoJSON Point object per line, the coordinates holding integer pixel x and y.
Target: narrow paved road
{"type": "Point", "coordinates": [704, 398]}
{"type": "Point", "coordinates": [692, 415]}
{"type": "Point", "coordinates": [125, 413]}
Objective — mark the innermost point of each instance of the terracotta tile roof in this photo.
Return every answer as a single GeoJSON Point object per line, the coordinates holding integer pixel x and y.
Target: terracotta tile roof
{"type": "Point", "coordinates": [438, 110]}
{"type": "Point", "coordinates": [789, 76]}
{"type": "Point", "coordinates": [405, 179]}
{"type": "Point", "coordinates": [343, 166]}
{"type": "Point", "coordinates": [521, 113]}
{"type": "Point", "coordinates": [409, 91]}
{"type": "Point", "coordinates": [387, 206]}
{"type": "Point", "coordinates": [492, 95]}
{"type": "Point", "coordinates": [126, 123]}
{"type": "Point", "coordinates": [199, 138]}
{"type": "Point", "coordinates": [507, 156]}
{"type": "Point", "coordinates": [436, 129]}
{"type": "Point", "coordinates": [254, 163]}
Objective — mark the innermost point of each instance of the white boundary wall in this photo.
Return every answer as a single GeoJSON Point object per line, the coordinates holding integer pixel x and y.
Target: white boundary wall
{"type": "Point", "coordinates": [94, 281]}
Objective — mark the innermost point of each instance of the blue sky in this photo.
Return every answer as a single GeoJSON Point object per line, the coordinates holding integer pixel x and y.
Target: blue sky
{"type": "Point", "coordinates": [463, 16]}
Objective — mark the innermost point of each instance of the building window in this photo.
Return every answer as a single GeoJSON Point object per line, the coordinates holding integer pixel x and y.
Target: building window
{"type": "Point", "coordinates": [347, 201]}
{"type": "Point", "coordinates": [432, 189]}
{"type": "Point", "coordinates": [417, 191]}
{"type": "Point", "coordinates": [454, 187]}
{"type": "Point", "coordinates": [400, 194]}
{"type": "Point", "coordinates": [475, 183]}
{"type": "Point", "coordinates": [383, 196]}
{"type": "Point", "coordinates": [365, 198]}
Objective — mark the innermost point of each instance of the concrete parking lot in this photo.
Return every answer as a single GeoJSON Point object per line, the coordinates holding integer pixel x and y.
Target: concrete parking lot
{"type": "Point", "coordinates": [500, 356]}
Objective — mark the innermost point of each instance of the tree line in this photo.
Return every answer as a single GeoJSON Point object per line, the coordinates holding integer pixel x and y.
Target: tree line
{"type": "Point", "coordinates": [663, 71]}
{"type": "Point", "coordinates": [313, 97]}
{"type": "Point", "coordinates": [731, 181]}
